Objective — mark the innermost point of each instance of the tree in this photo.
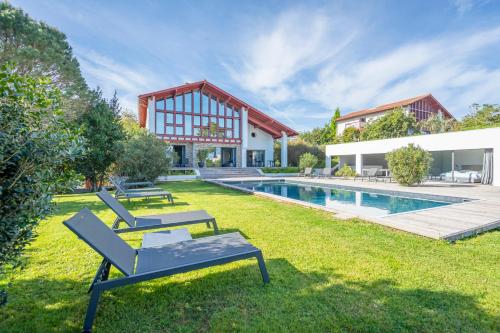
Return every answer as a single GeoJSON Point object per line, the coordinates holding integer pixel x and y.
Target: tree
{"type": "Point", "coordinates": [350, 134]}
{"type": "Point", "coordinates": [333, 123]}
{"type": "Point", "coordinates": [39, 50]}
{"type": "Point", "coordinates": [130, 124]}
{"type": "Point", "coordinates": [409, 165]}
{"type": "Point", "coordinates": [296, 148]}
{"type": "Point", "coordinates": [437, 124]}
{"type": "Point", "coordinates": [482, 116]}
{"type": "Point", "coordinates": [307, 160]}
{"type": "Point", "coordinates": [36, 147]}
{"type": "Point", "coordinates": [144, 157]}
{"type": "Point", "coordinates": [103, 132]}
{"type": "Point", "coordinates": [394, 124]}
{"type": "Point", "coordinates": [322, 135]}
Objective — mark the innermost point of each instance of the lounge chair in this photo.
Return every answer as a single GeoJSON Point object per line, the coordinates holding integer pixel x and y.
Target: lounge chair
{"type": "Point", "coordinates": [327, 172]}
{"type": "Point", "coordinates": [369, 174]}
{"type": "Point", "coordinates": [153, 221]}
{"type": "Point", "coordinates": [140, 193]}
{"type": "Point", "coordinates": [118, 182]}
{"type": "Point", "coordinates": [307, 172]}
{"type": "Point", "coordinates": [150, 263]}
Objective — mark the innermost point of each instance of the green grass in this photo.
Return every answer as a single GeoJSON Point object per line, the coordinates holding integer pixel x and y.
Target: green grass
{"type": "Point", "coordinates": [281, 170]}
{"type": "Point", "coordinates": [327, 275]}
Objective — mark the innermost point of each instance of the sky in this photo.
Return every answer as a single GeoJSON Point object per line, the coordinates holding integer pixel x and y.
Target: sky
{"type": "Point", "coordinates": [295, 61]}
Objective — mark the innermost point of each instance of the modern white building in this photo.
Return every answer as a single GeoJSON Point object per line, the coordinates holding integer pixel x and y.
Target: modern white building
{"type": "Point", "coordinates": [465, 156]}
{"type": "Point", "coordinates": [422, 107]}
{"type": "Point", "coordinates": [200, 115]}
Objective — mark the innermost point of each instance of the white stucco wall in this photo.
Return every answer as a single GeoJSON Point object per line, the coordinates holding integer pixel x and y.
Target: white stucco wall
{"type": "Point", "coordinates": [356, 122]}
{"type": "Point", "coordinates": [477, 139]}
{"type": "Point", "coordinates": [262, 141]}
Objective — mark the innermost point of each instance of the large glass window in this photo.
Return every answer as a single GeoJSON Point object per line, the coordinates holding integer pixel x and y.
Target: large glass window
{"type": "Point", "coordinates": [170, 130]}
{"type": "Point", "coordinates": [229, 123]}
{"type": "Point", "coordinates": [197, 120]}
{"type": "Point", "coordinates": [205, 121]}
{"type": "Point", "coordinates": [236, 129]}
{"type": "Point", "coordinates": [196, 101]}
{"type": "Point", "coordinates": [221, 109]}
{"type": "Point", "coordinates": [236, 113]}
{"type": "Point", "coordinates": [160, 104]}
{"type": "Point", "coordinates": [188, 128]}
{"type": "Point", "coordinates": [178, 103]}
{"type": "Point", "coordinates": [221, 122]}
{"type": "Point", "coordinates": [197, 131]}
{"type": "Point", "coordinates": [170, 118]}
{"type": "Point", "coordinates": [213, 106]}
{"type": "Point", "coordinates": [187, 102]}
{"type": "Point", "coordinates": [170, 104]}
{"type": "Point", "coordinates": [204, 104]}
{"type": "Point", "coordinates": [179, 119]}
{"type": "Point", "coordinates": [229, 133]}
{"type": "Point", "coordinates": [160, 123]}
{"type": "Point", "coordinates": [229, 110]}
{"type": "Point", "coordinates": [179, 130]}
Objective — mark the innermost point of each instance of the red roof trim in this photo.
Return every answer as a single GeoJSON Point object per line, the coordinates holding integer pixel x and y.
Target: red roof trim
{"type": "Point", "coordinates": [255, 117]}
{"type": "Point", "coordinates": [393, 105]}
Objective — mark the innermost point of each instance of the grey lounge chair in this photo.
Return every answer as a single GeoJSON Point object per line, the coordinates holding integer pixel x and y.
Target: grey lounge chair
{"type": "Point", "coordinates": [369, 174]}
{"type": "Point", "coordinates": [140, 193]}
{"type": "Point", "coordinates": [307, 172]}
{"type": "Point", "coordinates": [327, 172]}
{"type": "Point", "coordinates": [146, 264]}
{"type": "Point", "coordinates": [153, 221]}
{"type": "Point", "coordinates": [118, 183]}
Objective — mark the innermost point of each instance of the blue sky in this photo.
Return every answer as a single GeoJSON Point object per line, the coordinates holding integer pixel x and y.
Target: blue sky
{"type": "Point", "coordinates": [296, 61]}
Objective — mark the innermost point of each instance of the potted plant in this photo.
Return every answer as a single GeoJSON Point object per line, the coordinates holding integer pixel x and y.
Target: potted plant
{"type": "Point", "coordinates": [202, 155]}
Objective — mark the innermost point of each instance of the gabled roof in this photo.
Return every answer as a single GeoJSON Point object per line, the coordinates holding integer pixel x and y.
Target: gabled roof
{"type": "Point", "coordinates": [255, 117]}
{"type": "Point", "coordinates": [393, 105]}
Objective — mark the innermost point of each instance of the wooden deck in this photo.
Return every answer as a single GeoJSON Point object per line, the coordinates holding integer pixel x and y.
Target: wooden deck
{"type": "Point", "coordinates": [450, 223]}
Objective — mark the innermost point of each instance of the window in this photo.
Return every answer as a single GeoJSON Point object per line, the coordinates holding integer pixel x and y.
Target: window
{"type": "Point", "coordinates": [204, 104]}
{"type": "Point", "coordinates": [160, 123]}
{"type": "Point", "coordinates": [197, 131]}
{"type": "Point", "coordinates": [229, 123]}
{"type": "Point", "coordinates": [213, 106]}
{"type": "Point", "coordinates": [187, 102]}
{"type": "Point", "coordinates": [205, 121]}
{"type": "Point", "coordinates": [197, 120]}
{"type": "Point", "coordinates": [179, 130]}
{"type": "Point", "coordinates": [178, 103]}
{"type": "Point", "coordinates": [160, 104]}
{"type": "Point", "coordinates": [188, 128]}
{"type": "Point", "coordinates": [221, 109]}
{"type": "Point", "coordinates": [179, 119]}
{"type": "Point", "coordinates": [229, 110]}
{"type": "Point", "coordinates": [213, 120]}
{"type": "Point", "coordinates": [236, 129]}
{"type": "Point", "coordinates": [170, 130]}
{"type": "Point", "coordinates": [236, 113]}
{"type": "Point", "coordinates": [229, 133]}
{"type": "Point", "coordinates": [221, 122]}
{"type": "Point", "coordinates": [170, 118]}
{"type": "Point", "coordinates": [196, 102]}
{"type": "Point", "coordinates": [170, 104]}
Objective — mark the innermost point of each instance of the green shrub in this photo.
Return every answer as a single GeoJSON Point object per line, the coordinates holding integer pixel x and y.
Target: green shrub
{"type": "Point", "coordinates": [144, 158]}
{"type": "Point", "coordinates": [281, 170]}
{"type": "Point", "coordinates": [394, 124]}
{"type": "Point", "coordinates": [345, 171]}
{"type": "Point", "coordinates": [307, 160]}
{"type": "Point", "coordinates": [350, 134]}
{"type": "Point", "coordinates": [409, 165]}
{"type": "Point", "coordinates": [37, 149]}
{"type": "Point", "coordinates": [202, 155]}
{"type": "Point", "coordinates": [297, 148]}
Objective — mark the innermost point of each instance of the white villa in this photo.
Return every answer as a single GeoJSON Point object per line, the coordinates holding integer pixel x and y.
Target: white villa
{"type": "Point", "coordinates": [464, 156]}
{"type": "Point", "coordinates": [420, 106]}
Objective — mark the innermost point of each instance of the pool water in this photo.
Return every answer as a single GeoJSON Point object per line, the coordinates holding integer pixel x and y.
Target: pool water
{"type": "Point", "coordinates": [366, 203]}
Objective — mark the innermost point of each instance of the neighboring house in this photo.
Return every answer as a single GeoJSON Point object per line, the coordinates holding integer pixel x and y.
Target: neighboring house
{"type": "Point", "coordinates": [462, 156]}
{"type": "Point", "coordinates": [200, 115]}
{"type": "Point", "coordinates": [421, 106]}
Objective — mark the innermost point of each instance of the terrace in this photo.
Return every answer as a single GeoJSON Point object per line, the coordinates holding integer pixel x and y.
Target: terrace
{"type": "Point", "coordinates": [327, 274]}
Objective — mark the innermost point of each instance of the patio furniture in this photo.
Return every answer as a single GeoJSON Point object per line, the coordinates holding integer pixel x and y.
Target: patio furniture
{"type": "Point", "coordinates": [307, 172]}
{"type": "Point", "coordinates": [384, 175]}
{"type": "Point", "coordinates": [153, 221]}
{"type": "Point", "coordinates": [119, 182]}
{"type": "Point", "coordinates": [144, 264]}
{"type": "Point", "coordinates": [370, 173]}
{"type": "Point", "coordinates": [140, 193]}
{"type": "Point", "coordinates": [327, 172]}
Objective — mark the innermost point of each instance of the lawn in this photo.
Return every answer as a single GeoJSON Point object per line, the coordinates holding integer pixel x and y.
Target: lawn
{"type": "Point", "coordinates": [327, 275]}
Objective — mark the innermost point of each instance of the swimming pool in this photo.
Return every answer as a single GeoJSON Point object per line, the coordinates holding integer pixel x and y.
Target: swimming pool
{"type": "Point", "coordinates": [356, 200]}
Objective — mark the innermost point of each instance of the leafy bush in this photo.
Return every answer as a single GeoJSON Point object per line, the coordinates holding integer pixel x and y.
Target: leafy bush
{"type": "Point", "coordinates": [394, 124]}
{"type": "Point", "coordinates": [409, 165]}
{"type": "Point", "coordinates": [350, 134]}
{"type": "Point", "coordinates": [437, 124]}
{"type": "Point", "coordinates": [482, 116]}
{"type": "Point", "coordinates": [345, 171]}
{"type": "Point", "coordinates": [37, 148]}
{"type": "Point", "coordinates": [307, 160]}
{"type": "Point", "coordinates": [144, 158]}
{"type": "Point", "coordinates": [281, 170]}
{"type": "Point", "coordinates": [202, 156]}
{"type": "Point", "coordinates": [297, 148]}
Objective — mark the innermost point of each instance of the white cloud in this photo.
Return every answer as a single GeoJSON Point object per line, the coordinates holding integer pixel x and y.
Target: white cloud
{"type": "Point", "coordinates": [450, 67]}
{"type": "Point", "coordinates": [299, 40]}
{"type": "Point", "coordinates": [463, 6]}
{"type": "Point", "coordinates": [110, 75]}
